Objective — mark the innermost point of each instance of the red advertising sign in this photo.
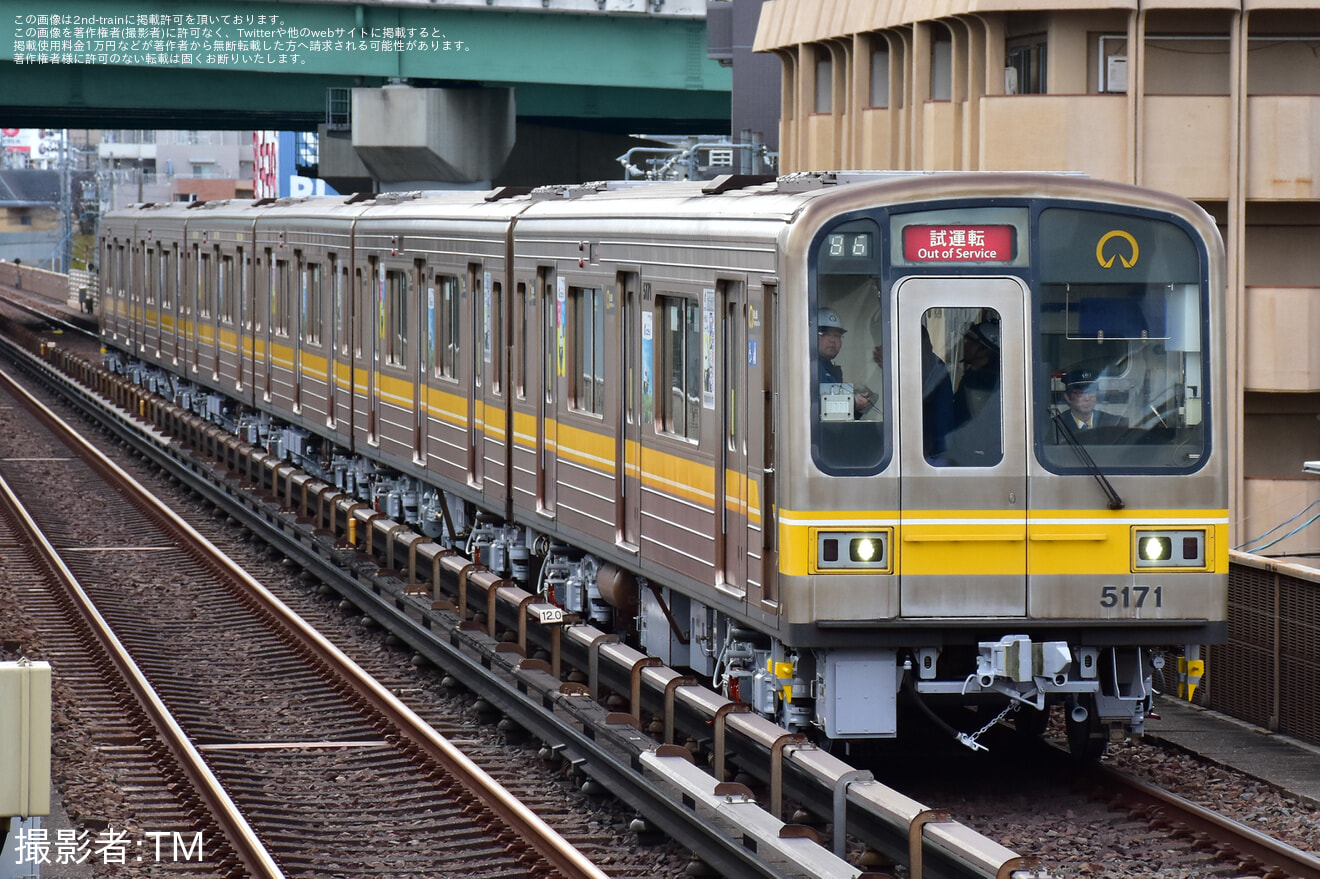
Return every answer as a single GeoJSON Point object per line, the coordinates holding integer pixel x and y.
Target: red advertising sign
{"type": "Point", "coordinates": [959, 243]}
{"type": "Point", "coordinates": [265, 164]}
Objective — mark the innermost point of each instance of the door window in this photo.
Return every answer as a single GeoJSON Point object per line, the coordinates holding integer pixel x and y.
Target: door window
{"type": "Point", "coordinates": [962, 387]}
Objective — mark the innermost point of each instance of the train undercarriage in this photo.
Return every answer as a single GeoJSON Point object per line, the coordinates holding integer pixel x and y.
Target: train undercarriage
{"type": "Point", "coordinates": [835, 694]}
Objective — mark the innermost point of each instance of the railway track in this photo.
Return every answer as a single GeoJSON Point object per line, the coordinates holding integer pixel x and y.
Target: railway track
{"type": "Point", "coordinates": [324, 772]}
{"type": "Point", "coordinates": [1232, 842]}
{"type": "Point", "coordinates": [726, 827]}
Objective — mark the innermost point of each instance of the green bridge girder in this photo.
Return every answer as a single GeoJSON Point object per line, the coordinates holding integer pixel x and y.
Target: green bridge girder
{"type": "Point", "coordinates": [171, 64]}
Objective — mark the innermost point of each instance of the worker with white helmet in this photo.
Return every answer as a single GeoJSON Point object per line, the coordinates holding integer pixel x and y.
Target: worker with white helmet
{"type": "Point", "coordinates": [829, 342]}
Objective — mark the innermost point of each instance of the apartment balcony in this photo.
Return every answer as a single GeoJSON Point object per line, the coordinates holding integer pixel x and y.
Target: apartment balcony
{"type": "Point", "coordinates": [1279, 339]}
{"type": "Point", "coordinates": [1283, 147]}
{"type": "Point", "coordinates": [1186, 145]}
{"type": "Point", "coordinates": [133, 152]}
{"type": "Point", "coordinates": [819, 143]}
{"type": "Point", "coordinates": [941, 140]}
{"type": "Point", "coordinates": [1086, 133]}
{"type": "Point", "coordinates": [876, 141]}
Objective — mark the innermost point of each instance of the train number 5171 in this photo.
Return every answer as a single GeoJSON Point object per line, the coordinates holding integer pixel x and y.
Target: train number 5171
{"type": "Point", "coordinates": [1130, 596]}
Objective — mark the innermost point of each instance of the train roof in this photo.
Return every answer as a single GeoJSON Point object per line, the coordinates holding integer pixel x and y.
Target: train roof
{"type": "Point", "coordinates": [730, 196]}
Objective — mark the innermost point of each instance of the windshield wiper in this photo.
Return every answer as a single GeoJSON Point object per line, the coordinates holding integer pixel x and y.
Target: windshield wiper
{"type": "Point", "coordinates": [1115, 502]}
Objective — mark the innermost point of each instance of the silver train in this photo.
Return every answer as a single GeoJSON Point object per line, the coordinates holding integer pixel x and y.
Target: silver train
{"type": "Point", "coordinates": [845, 443]}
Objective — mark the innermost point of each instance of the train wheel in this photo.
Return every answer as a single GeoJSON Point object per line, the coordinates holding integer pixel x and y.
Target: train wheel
{"type": "Point", "coordinates": [1086, 735]}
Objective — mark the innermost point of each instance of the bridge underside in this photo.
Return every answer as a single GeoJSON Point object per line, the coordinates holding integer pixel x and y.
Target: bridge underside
{"type": "Point", "coordinates": [86, 96]}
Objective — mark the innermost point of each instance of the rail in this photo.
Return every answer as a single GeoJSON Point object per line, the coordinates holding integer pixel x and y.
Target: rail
{"type": "Point", "coordinates": [303, 505]}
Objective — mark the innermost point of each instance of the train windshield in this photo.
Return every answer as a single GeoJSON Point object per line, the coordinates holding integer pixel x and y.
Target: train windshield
{"type": "Point", "coordinates": [1121, 375]}
{"type": "Point", "coordinates": [848, 398]}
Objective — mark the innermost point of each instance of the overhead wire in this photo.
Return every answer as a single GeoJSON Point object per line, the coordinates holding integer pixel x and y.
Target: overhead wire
{"type": "Point", "coordinates": [1313, 503]}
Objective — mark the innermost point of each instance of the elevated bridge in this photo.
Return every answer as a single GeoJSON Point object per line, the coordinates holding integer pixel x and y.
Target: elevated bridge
{"type": "Point", "coordinates": [610, 65]}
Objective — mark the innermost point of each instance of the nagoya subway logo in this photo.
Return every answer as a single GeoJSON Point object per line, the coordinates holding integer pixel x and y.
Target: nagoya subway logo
{"type": "Point", "coordinates": [1118, 251]}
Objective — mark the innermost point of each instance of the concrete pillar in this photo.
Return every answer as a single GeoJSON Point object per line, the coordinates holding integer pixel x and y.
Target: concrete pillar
{"type": "Point", "coordinates": [412, 138]}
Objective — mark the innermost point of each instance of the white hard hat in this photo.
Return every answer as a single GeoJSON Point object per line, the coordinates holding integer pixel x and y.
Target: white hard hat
{"type": "Point", "coordinates": [829, 320]}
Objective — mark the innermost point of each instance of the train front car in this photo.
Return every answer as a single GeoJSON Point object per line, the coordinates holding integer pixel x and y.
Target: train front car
{"type": "Point", "coordinates": [1003, 419]}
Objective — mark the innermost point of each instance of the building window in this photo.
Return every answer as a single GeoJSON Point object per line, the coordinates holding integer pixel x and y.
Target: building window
{"type": "Point", "coordinates": [941, 67]}
{"type": "Point", "coordinates": [679, 379]}
{"type": "Point", "coordinates": [1024, 69]}
{"type": "Point", "coordinates": [880, 77]}
{"type": "Point", "coordinates": [338, 109]}
{"type": "Point", "coordinates": [824, 84]}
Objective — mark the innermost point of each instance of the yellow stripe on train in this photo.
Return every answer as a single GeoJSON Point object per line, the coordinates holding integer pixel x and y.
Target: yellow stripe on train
{"type": "Point", "coordinates": [1047, 542]}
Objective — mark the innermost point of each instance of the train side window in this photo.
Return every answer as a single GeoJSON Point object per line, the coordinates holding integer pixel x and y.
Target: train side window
{"type": "Point", "coordinates": [205, 284]}
{"type": "Point", "coordinates": [678, 403]}
{"type": "Point", "coordinates": [364, 299]}
{"type": "Point", "coordinates": [521, 322]}
{"type": "Point", "coordinates": [550, 334]}
{"type": "Point", "coordinates": [339, 277]}
{"type": "Point", "coordinates": [849, 359]}
{"type": "Point", "coordinates": [227, 289]}
{"type": "Point", "coordinates": [497, 337]}
{"type": "Point", "coordinates": [587, 349]}
{"type": "Point", "coordinates": [313, 304]}
{"type": "Point", "coordinates": [163, 287]}
{"type": "Point", "coordinates": [151, 269]}
{"type": "Point", "coordinates": [446, 327]}
{"type": "Point", "coordinates": [396, 317]}
{"type": "Point", "coordinates": [281, 295]}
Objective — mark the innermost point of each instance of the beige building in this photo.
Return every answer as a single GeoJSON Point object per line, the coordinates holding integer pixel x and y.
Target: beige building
{"type": "Point", "coordinates": [1217, 100]}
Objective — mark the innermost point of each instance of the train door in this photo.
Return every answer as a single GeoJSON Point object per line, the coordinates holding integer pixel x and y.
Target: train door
{"type": "Point", "coordinates": [337, 345]}
{"type": "Point", "coordinates": [763, 403]}
{"type": "Point", "coordinates": [235, 289]}
{"type": "Point", "coordinates": [552, 297]}
{"type": "Point", "coordinates": [628, 490]}
{"type": "Point", "coordinates": [374, 327]}
{"type": "Point", "coordinates": [136, 310]}
{"type": "Point", "coordinates": [215, 298]}
{"type": "Point", "coordinates": [265, 317]}
{"type": "Point", "coordinates": [479, 301]}
{"type": "Point", "coordinates": [299, 328]}
{"type": "Point", "coordinates": [193, 307]}
{"type": "Point", "coordinates": [247, 291]}
{"type": "Point", "coordinates": [151, 293]}
{"type": "Point", "coordinates": [174, 280]}
{"type": "Point", "coordinates": [731, 474]}
{"type": "Point", "coordinates": [425, 357]}
{"type": "Point", "coordinates": [963, 442]}
{"type": "Point", "coordinates": [496, 427]}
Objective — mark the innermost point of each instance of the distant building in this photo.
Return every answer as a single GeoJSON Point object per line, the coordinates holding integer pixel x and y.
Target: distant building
{"type": "Point", "coordinates": [170, 166]}
{"type": "Point", "coordinates": [1217, 100]}
{"type": "Point", "coordinates": [31, 223]}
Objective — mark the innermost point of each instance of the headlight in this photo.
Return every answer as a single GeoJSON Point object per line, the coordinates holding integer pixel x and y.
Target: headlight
{"type": "Point", "coordinates": [841, 551]}
{"type": "Point", "coordinates": [1169, 549]}
{"type": "Point", "coordinates": [864, 549]}
{"type": "Point", "coordinates": [1156, 549]}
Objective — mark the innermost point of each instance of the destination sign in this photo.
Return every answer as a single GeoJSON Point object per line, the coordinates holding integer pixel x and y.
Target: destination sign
{"type": "Point", "coordinates": [959, 243]}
